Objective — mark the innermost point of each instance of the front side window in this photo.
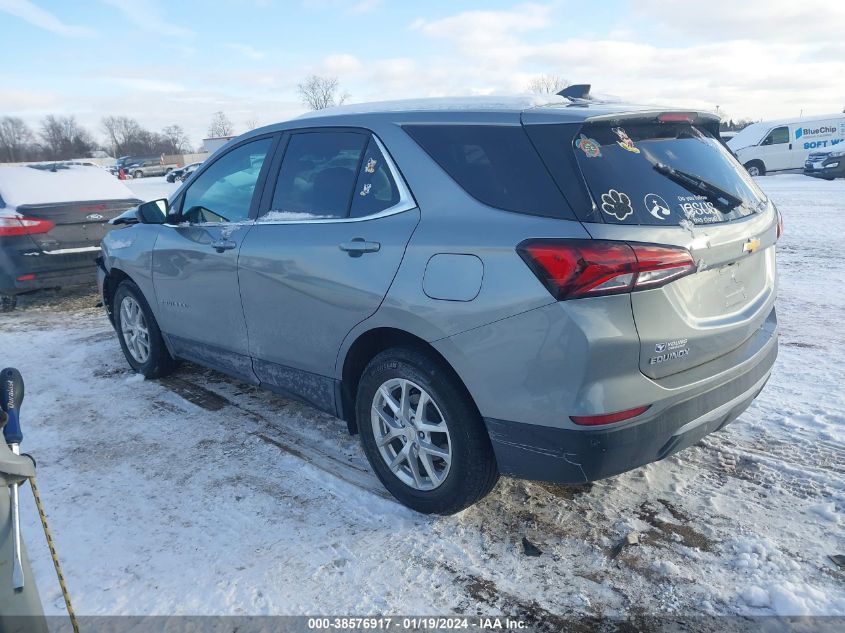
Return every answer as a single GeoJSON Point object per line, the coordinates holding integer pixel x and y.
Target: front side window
{"type": "Point", "coordinates": [318, 175]}
{"type": "Point", "coordinates": [778, 136]}
{"type": "Point", "coordinates": [223, 193]}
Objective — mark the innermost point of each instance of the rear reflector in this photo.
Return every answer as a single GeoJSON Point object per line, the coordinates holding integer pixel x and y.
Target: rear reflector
{"type": "Point", "coordinates": [608, 418]}
{"type": "Point", "coordinates": [29, 277]}
{"type": "Point", "coordinates": [571, 269]}
{"type": "Point", "coordinates": [19, 225]}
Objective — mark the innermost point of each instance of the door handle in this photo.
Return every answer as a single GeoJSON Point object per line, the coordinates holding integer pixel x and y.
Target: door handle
{"type": "Point", "coordinates": [359, 246]}
{"type": "Point", "coordinates": [223, 245]}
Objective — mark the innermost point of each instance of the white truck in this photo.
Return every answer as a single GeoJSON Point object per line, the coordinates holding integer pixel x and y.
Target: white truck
{"type": "Point", "coordinates": [771, 146]}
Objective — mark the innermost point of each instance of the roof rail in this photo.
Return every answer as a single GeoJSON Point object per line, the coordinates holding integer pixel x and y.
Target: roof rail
{"type": "Point", "coordinates": [576, 91]}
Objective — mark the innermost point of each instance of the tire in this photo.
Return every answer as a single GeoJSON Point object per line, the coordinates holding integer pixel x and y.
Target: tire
{"type": "Point", "coordinates": [8, 302]}
{"type": "Point", "coordinates": [138, 174]}
{"type": "Point", "coordinates": [168, 170]}
{"type": "Point", "coordinates": [157, 361]}
{"type": "Point", "coordinates": [755, 168]}
{"type": "Point", "coordinates": [471, 472]}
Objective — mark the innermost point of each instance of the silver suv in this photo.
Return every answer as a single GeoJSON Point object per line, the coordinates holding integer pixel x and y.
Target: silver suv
{"type": "Point", "coordinates": [560, 292]}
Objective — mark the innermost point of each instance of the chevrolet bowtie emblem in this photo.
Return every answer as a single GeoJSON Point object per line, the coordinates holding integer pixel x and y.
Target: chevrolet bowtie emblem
{"type": "Point", "coordinates": [751, 245]}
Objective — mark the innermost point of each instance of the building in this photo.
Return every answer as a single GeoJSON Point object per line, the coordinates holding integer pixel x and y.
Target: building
{"type": "Point", "coordinates": [214, 143]}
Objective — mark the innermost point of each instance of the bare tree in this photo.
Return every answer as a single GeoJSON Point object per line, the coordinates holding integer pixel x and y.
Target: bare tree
{"type": "Point", "coordinates": [64, 138]}
{"type": "Point", "coordinates": [251, 124]}
{"type": "Point", "coordinates": [220, 125]}
{"type": "Point", "coordinates": [176, 137]}
{"type": "Point", "coordinates": [547, 84]}
{"type": "Point", "coordinates": [16, 139]}
{"type": "Point", "coordinates": [321, 92]}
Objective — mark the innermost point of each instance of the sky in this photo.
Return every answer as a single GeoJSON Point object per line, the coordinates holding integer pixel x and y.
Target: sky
{"type": "Point", "coordinates": [169, 62]}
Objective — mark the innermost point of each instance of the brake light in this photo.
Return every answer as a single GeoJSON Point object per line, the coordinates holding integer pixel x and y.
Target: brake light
{"type": "Point", "coordinates": [676, 117]}
{"type": "Point", "coordinates": [608, 418]}
{"type": "Point", "coordinates": [780, 224]}
{"type": "Point", "coordinates": [18, 225]}
{"type": "Point", "coordinates": [28, 277]}
{"type": "Point", "coordinates": [571, 269]}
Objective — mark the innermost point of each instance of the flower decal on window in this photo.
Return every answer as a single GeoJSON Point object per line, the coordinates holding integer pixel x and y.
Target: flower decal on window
{"type": "Point", "coordinates": [616, 204]}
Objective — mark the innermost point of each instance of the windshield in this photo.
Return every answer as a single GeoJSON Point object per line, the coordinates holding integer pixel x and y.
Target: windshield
{"type": "Point", "coordinates": [663, 173]}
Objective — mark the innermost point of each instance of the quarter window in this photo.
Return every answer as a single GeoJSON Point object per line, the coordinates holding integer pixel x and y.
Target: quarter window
{"type": "Point", "coordinates": [496, 164]}
{"type": "Point", "coordinates": [224, 191]}
{"type": "Point", "coordinates": [318, 175]}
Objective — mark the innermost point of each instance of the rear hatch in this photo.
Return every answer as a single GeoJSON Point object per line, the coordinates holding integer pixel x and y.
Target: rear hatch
{"type": "Point", "coordinates": [641, 177]}
{"type": "Point", "coordinates": [77, 226]}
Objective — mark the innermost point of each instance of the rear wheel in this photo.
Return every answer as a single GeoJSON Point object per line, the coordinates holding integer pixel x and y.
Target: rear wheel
{"type": "Point", "coordinates": [138, 332]}
{"type": "Point", "coordinates": [421, 433]}
{"type": "Point", "coordinates": [755, 168]}
{"type": "Point", "coordinates": [138, 174]}
{"type": "Point", "coordinates": [8, 302]}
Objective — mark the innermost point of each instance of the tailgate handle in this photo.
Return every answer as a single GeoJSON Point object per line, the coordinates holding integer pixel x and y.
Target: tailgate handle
{"type": "Point", "coordinates": [223, 245]}
{"type": "Point", "coordinates": [359, 246]}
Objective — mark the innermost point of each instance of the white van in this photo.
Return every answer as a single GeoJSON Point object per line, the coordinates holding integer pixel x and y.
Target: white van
{"type": "Point", "coordinates": [785, 144]}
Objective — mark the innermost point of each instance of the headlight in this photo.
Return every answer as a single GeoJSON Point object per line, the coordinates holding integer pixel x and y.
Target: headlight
{"type": "Point", "coordinates": [832, 165]}
{"type": "Point", "coordinates": [836, 154]}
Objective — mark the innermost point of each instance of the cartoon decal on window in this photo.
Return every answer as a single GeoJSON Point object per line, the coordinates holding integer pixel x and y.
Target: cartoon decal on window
{"type": "Point", "coordinates": [589, 146]}
{"type": "Point", "coordinates": [370, 168]}
{"type": "Point", "coordinates": [625, 141]}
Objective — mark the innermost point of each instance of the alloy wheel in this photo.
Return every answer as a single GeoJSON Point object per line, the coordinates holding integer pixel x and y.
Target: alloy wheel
{"type": "Point", "coordinates": [411, 434]}
{"type": "Point", "coordinates": [134, 328]}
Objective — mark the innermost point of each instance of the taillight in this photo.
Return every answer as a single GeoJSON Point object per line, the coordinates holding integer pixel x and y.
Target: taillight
{"type": "Point", "coordinates": [780, 224]}
{"type": "Point", "coordinates": [588, 268]}
{"type": "Point", "coordinates": [19, 225]}
{"type": "Point", "coordinates": [608, 418]}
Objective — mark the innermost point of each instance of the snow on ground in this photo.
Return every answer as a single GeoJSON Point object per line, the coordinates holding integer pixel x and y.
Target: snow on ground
{"type": "Point", "coordinates": [152, 188]}
{"type": "Point", "coordinates": [198, 494]}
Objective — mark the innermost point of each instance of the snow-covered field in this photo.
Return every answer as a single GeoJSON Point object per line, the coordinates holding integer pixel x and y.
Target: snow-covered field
{"type": "Point", "coordinates": [198, 494]}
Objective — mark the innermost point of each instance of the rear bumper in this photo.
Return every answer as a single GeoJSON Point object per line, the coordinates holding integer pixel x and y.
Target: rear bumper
{"type": "Point", "coordinates": [50, 271]}
{"type": "Point", "coordinates": [566, 455]}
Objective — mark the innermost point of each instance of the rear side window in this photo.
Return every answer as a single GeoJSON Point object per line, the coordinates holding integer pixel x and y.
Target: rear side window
{"type": "Point", "coordinates": [318, 174]}
{"type": "Point", "coordinates": [495, 164]}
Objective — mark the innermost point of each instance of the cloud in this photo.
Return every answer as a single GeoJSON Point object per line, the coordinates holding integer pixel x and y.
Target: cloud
{"type": "Point", "coordinates": [246, 50]}
{"type": "Point", "coordinates": [147, 16]}
{"type": "Point", "coordinates": [775, 20]}
{"type": "Point", "coordinates": [148, 85]}
{"type": "Point", "coordinates": [361, 6]}
{"type": "Point", "coordinates": [26, 10]}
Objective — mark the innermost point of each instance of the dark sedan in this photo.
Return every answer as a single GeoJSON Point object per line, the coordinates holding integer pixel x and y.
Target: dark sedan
{"type": "Point", "coordinates": [827, 165]}
{"type": "Point", "coordinates": [51, 223]}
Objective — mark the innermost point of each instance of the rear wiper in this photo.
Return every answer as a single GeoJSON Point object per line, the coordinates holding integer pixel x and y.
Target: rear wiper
{"type": "Point", "coordinates": [721, 199]}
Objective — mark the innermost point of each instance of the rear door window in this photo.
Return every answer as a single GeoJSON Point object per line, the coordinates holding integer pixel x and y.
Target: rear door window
{"type": "Point", "coordinates": [318, 174]}
{"type": "Point", "coordinates": [495, 164]}
{"type": "Point", "coordinates": [661, 173]}
{"type": "Point", "coordinates": [375, 189]}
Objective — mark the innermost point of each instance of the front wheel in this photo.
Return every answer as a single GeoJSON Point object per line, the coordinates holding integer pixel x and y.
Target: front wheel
{"type": "Point", "coordinates": [138, 174]}
{"type": "Point", "coordinates": [755, 168]}
{"type": "Point", "coordinates": [138, 332]}
{"type": "Point", "coordinates": [422, 434]}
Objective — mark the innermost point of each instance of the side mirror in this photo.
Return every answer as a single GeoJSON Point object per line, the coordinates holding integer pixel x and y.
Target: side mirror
{"type": "Point", "coordinates": [154, 212]}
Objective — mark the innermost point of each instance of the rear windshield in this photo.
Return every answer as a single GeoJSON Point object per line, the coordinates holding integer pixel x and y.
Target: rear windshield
{"type": "Point", "coordinates": [663, 173]}
{"type": "Point", "coordinates": [495, 164]}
